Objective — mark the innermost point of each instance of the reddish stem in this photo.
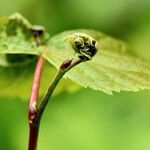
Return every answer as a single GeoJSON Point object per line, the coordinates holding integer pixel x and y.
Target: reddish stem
{"type": "Point", "coordinates": [33, 103]}
{"type": "Point", "coordinates": [33, 137]}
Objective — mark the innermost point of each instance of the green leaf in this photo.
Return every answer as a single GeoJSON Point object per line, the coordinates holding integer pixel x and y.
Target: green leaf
{"type": "Point", "coordinates": [17, 70]}
{"type": "Point", "coordinates": [16, 36]}
{"type": "Point", "coordinates": [115, 67]}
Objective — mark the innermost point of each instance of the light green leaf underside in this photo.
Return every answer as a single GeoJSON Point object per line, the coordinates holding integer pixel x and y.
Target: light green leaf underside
{"type": "Point", "coordinates": [114, 68]}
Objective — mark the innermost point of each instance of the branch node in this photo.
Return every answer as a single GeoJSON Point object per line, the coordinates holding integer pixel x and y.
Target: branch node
{"type": "Point", "coordinates": [66, 64]}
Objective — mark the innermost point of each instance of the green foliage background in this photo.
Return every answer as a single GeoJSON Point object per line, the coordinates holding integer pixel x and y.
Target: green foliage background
{"type": "Point", "coordinates": [84, 120]}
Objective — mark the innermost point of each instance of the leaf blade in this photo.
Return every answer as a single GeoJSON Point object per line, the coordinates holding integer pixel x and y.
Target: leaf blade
{"type": "Point", "coordinates": [115, 67]}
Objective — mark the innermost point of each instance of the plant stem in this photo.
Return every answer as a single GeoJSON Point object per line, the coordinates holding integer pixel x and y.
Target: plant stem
{"type": "Point", "coordinates": [37, 32]}
{"type": "Point", "coordinates": [66, 66]}
{"type": "Point", "coordinates": [35, 114]}
{"type": "Point", "coordinates": [33, 137]}
{"type": "Point", "coordinates": [34, 128]}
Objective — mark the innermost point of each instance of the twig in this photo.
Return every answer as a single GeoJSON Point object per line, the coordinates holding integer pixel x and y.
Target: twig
{"type": "Point", "coordinates": [65, 66]}
{"type": "Point", "coordinates": [33, 102]}
{"type": "Point", "coordinates": [35, 111]}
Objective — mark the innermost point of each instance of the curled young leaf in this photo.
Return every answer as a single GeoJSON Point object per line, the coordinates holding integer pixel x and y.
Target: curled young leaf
{"type": "Point", "coordinates": [84, 45]}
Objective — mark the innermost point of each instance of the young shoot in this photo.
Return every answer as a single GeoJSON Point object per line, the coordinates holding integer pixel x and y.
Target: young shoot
{"type": "Point", "coordinates": [84, 45]}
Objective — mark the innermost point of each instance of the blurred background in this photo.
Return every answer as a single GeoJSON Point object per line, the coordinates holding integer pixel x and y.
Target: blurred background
{"type": "Point", "coordinates": [85, 119]}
